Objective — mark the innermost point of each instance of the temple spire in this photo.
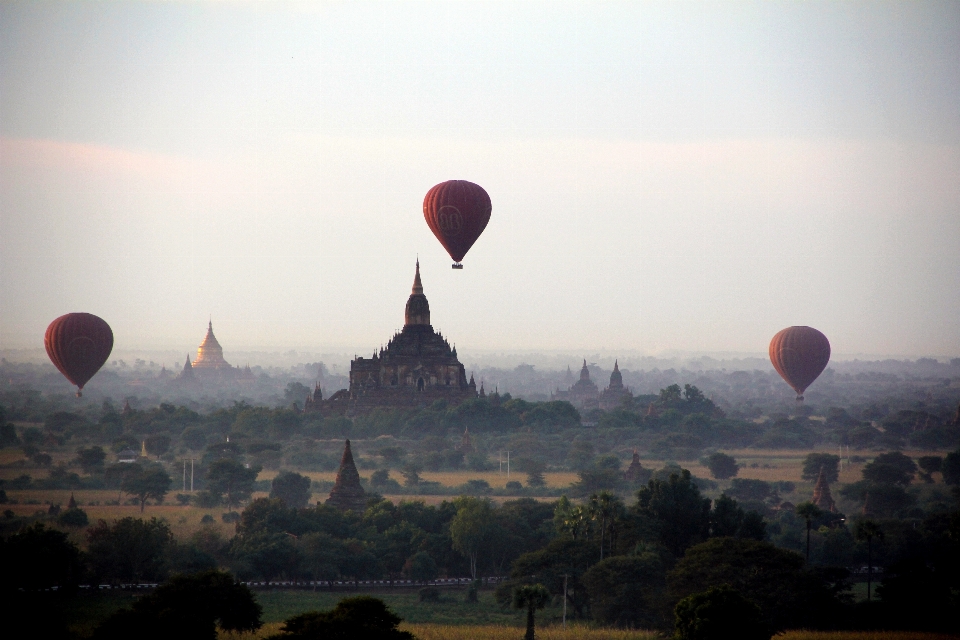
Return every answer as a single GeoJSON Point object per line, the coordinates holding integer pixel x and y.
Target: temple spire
{"type": "Point", "coordinates": [417, 285]}
{"type": "Point", "coordinates": [347, 493]}
{"type": "Point", "coordinates": [417, 311]}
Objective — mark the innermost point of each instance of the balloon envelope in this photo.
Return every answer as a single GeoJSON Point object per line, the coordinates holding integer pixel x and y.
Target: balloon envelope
{"type": "Point", "coordinates": [457, 212]}
{"type": "Point", "coordinates": [78, 344]}
{"type": "Point", "coordinates": [799, 354]}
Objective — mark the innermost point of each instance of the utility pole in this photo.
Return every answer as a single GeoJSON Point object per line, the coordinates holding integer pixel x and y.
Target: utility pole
{"type": "Point", "coordinates": [184, 475]}
{"type": "Point", "coordinates": [508, 464]}
{"type": "Point", "coordinates": [500, 460]}
{"type": "Point", "coordinates": [191, 474]}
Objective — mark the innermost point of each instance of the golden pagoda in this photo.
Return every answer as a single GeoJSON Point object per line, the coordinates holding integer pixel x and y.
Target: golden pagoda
{"type": "Point", "coordinates": [210, 353]}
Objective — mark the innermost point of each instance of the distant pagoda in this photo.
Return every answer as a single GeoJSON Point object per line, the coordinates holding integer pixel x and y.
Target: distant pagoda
{"type": "Point", "coordinates": [347, 494]}
{"type": "Point", "coordinates": [210, 353]}
{"type": "Point", "coordinates": [466, 446]}
{"type": "Point", "coordinates": [821, 494]}
{"type": "Point", "coordinates": [616, 394]}
{"type": "Point", "coordinates": [635, 473]}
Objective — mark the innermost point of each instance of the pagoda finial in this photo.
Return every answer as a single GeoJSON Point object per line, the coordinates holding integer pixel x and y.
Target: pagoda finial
{"type": "Point", "coordinates": [417, 285]}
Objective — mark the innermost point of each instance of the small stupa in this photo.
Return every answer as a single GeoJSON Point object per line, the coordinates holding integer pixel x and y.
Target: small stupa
{"type": "Point", "coordinates": [635, 472]}
{"type": "Point", "coordinates": [73, 503]}
{"type": "Point", "coordinates": [465, 446]}
{"type": "Point", "coordinates": [347, 494]}
{"type": "Point", "coordinates": [821, 494]}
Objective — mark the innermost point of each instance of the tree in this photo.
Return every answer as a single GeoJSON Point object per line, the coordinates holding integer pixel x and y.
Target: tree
{"type": "Point", "coordinates": [352, 618]}
{"type": "Point", "coordinates": [890, 468]}
{"type": "Point", "coordinates": [773, 578]}
{"type": "Point", "coordinates": [469, 528]}
{"type": "Point", "coordinates": [750, 489]}
{"type": "Point", "coordinates": [150, 483]}
{"type": "Point", "coordinates": [91, 459]}
{"type": "Point", "coordinates": [186, 607]}
{"type": "Point", "coordinates": [814, 462]}
{"type": "Point", "coordinates": [868, 530]}
{"type": "Point", "coordinates": [627, 590]}
{"type": "Point", "coordinates": [928, 466]}
{"type": "Point", "coordinates": [534, 470]}
{"type": "Point", "coordinates": [38, 558]}
{"type": "Point", "coordinates": [130, 550]}
{"type": "Point", "coordinates": [605, 508]}
{"type": "Point", "coordinates": [321, 555]}
{"type": "Point", "coordinates": [73, 518]}
{"type": "Point", "coordinates": [718, 612]}
{"type": "Point", "coordinates": [411, 474]}
{"type": "Point", "coordinates": [722, 466]}
{"type": "Point", "coordinates": [561, 563]}
{"type": "Point", "coordinates": [681, 515]}
{"type": "Point", "coordinates": [951, 468]}
{"type": "Point", "coordinates": [230, 479]}
{"type": "Point", "coordinates": [157, 445]}
{"type": "Point", "coordinates": [809, 512]}
{"type": "Point", "coordinates": [726, 517]}
{"type": "Point", "coordinates": [421, 567]}
{"type": "Point", "coordinates": [292, 488]}
{"type": "Point", "coordinates": [530, 597]}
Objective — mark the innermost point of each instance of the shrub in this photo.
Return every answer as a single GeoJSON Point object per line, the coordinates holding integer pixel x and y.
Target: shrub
{"type": "Point", "coordinates": [429, 594]}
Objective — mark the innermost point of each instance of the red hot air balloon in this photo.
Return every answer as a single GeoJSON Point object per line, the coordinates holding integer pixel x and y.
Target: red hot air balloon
{"type": "Point", "coordinates": [457, 212]}
{"type": "Point", "coordinates": [78, 344]}
{"type": "Point", "coordinates": [799, 354]}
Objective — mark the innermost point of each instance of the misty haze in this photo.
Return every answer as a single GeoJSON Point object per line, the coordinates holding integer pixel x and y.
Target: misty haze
{"type": "Point", "coordinates": [694, 372]}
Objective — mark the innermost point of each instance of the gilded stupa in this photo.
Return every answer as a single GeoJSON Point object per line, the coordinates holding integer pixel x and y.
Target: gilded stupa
{"type": "Point", "coordinates": [210, 354]}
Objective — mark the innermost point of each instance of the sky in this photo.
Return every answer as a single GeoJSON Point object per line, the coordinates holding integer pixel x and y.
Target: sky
{"type": "Point", "coordinates": [665, 177]}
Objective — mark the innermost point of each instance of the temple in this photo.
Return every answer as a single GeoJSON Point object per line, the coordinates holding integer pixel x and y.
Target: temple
{"type": "Point", "coordinates": [821, 494]}
{"type": "Point", "coordinates": [583, 394]}
{"type": "Point", "coordinates": [210, 363]}
{"type": "Point", "coordinates": [616, 394]}
{"type": "Point", "coordinates": [417, 368]}
{"type": "Point", "coordinates": [635, 473]}
{"type": "Point", "coordinates": [347, 494]}
{"type": "Point", "coordinates": [210, 354]}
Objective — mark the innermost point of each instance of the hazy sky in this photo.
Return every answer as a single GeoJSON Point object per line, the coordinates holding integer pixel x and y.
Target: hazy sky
{"type": "Point", "coordinates": [688, 176]}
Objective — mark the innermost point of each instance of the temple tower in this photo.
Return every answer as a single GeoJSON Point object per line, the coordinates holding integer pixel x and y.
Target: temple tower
{"type": "Point", "coordinates": [347, 494]}
{"type": "Point", "coordinates": [417, 311]}
{"type": "Point", "coordinates": [821, 494]}
{"type": "Point", "coordinates": [210, 353]}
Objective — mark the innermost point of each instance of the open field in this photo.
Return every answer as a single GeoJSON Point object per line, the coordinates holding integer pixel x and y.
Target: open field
{"type": "Point", "coordinates": [768, 465]}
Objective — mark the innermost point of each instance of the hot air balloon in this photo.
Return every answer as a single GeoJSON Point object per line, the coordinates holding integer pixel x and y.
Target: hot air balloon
{"type": "Point", "coordinates": [457, 212]}
{"type": "Point", "coordinates": [799, 354]}
{"type": "Point", "coordinates": [78, 344]}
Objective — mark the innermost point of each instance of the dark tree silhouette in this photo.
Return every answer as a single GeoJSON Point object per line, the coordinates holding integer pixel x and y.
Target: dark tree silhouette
{"type": "Point", "coordinates": [530, 597]}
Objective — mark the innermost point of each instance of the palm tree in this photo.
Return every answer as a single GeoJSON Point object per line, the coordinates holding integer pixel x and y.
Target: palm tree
{"type": "Point", "coordinates": [809, 512]}
{"type": "Point", "coordinates": [605, 507]}
{"type": "Point", "coordinates": [868, 530]}
{"type": "Point", "coordinates": [531, 597]}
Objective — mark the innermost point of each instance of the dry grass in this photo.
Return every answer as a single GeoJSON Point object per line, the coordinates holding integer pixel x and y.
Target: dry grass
{"type": "Point", "coordinates": [493, 632]}
{"type": "Point", "coordinates": [577, 632]}
{"type": "Point", "coordinates": [863, 635]}
{"type": "Point", "coordinates": [485, 632]}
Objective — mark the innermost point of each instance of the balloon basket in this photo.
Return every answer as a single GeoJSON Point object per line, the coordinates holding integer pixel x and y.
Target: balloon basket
{"type": "Point", "coordinates": [456, 265]}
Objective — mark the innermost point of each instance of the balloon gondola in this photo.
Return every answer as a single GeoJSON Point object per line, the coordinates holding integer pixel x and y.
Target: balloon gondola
{"type": "Point", "coordinates": [457, 212]}
{"type": "Point", "coordinates": [78, 344]}
{"type": "Point", "coordinates": [799, 354]}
